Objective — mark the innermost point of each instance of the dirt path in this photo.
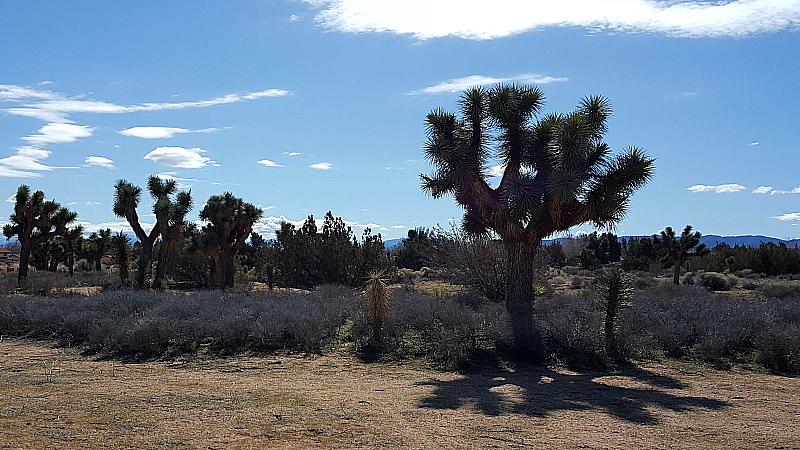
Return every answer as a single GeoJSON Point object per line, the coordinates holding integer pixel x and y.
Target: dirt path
{"type": "Point", "coordinates": [56, 398]}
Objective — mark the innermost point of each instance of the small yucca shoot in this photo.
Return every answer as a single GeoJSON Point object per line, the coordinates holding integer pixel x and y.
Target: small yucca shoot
{"type": "Point", "coordinates": [614, 292]}
{"type": "Point", "coordinates": [377, 301]}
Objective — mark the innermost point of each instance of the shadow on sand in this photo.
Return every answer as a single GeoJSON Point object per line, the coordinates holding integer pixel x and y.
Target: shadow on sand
{"type": "Point", "coordinates": [538, 391]}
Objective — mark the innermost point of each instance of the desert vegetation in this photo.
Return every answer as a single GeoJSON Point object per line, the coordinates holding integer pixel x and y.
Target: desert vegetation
{"type": "Point", "coordinates": [491, 289]}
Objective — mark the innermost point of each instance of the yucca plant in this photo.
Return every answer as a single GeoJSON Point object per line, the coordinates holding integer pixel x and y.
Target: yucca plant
{"type": "Point", "coordinates": [377, 298]}
{"type": "Point", "coordinates": [614, 292]}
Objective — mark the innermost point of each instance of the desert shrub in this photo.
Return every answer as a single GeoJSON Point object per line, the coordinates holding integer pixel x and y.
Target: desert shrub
{"type": "Point", "coordinates": [780, 348]}
{"type": "Point", "coordinates": [152, 324]}
{"type": "Point", "coordinates": [689, 324]}
{"type": "Point", "coordinates": [571, 327]}
{"type": "Point", "coordinates": [779, 289]}
{"type": "Point", "coordinates": [440, 330]}
{"type": "Point", "coordinates": [714, 281]}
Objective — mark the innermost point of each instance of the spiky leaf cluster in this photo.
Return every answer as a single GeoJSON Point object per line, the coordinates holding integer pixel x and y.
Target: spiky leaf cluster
{"type": "Point", "coordinates": [556, 170]}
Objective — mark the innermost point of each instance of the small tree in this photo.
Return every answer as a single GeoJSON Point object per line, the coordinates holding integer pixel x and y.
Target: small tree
{"type": "Point", "coordinates": [231, 222]}
{"type": "Point", "coordinates": [678, 251]}
{"type": "Point", "coordinates": [120, 245]}
{"type": "Point", "coordinates": [614, 292]}
{"type": "Point", "coordinates": [377, 298]}
{"type": "Point", "coordinates": [34, 221]}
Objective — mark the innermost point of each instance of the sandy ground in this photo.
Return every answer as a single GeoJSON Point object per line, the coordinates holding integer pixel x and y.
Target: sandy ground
{"type": "Point", "coordinates": [54, 398]}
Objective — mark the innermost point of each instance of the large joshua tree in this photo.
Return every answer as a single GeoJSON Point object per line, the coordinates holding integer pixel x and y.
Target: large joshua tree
{"type": "Point", "coordinates": [556, 173]}
{"type": "Point", "coordinates": [34, 221]}
{"type": "Point", "coordinates": [231, 222]}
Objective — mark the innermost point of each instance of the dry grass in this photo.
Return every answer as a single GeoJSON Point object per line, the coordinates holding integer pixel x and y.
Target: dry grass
{"type": "Point", "coordinates": [56, 398]}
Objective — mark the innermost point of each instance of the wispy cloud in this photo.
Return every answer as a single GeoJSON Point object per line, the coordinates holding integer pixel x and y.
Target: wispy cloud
{"type": "Point", "coordinates": [769, 190]}
{"type": "Point", "coordinates": [269, 163]}
{"type": "Point", "coordinates": [491, 19]}
{"type": "Point", "coordinates": [122, 226]}
{"type": "Point", "coordinates": [100, 161]}
{"type": "Point", "coordinates": [459, 84]}
{"type": "Point", "coordinates": [721, 189]}
{"type": "Point", "coordinates": [55, 107]}
{"type": "Point", "coordinates": [762, 190]}
{"type": "Point", "coordinates": [789, 217]}
{"type": "Point", "coordinates": [322, 166]}
{"type": "Point", "coordinates": [27, 158]}
{"type": "Point", "coordinates": [754, 143]}
{"type": "Point", "coordinates": [291, 153]}
{"type": "Point", "coordinates": [180, 157]}
{"type": "Point", "coordinates": [161, 132]}
{"type": "Point", "coordinates": [58, 133]}
{"type": "Point", "coordinates": [268, 225]}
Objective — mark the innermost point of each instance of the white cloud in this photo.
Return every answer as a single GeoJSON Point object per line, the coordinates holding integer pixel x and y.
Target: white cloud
{"type": "Point", "coordinates": [322, 166]}
{"type": "Point", "coordinates": [12, 199]}
{"type": "Point", "coordinates": [100, 161]}
{"type": "Point", "coordinates": [267, 208]}
{"type": "Point", "coordinates": [721, 189]}
{"type": "Point", "coordinates": [180, 157]}
{"type": "Point", "coordinates": [460, 84]}
{"type": "Point", "coordinates": [58, 133]}
{"type": "Point", "coordinates": [491, 19]}
{"type": "Point", "coordinates": [92, 203]}
{"type": "Point", "coordinates": [54, 107]}
{"type": "Point", "coordinates": [270, 224]}
{"type": "Point", "coordinates": [269, 163]}
{"type": "Point", "coordinates": [762, 190]}
{"type": "Point", "coordinates": [161, 132]}
{"type": "Point", "coordinates": [754, 143]}
{"type": "Point", "coordinates": [497, 171]}
{"type": "Point", "coordinates": [790, 217]}
{"type": "Point", "coordinates": [27, 158]}
{"type": "Point", "coordinates": [398, 226]}
{"type": "Point", "coordinates": [123, 226]}
{"type": "Point", "coordinates": [291, 153]}
{"type": "Point", "coordinates": [153, 132]}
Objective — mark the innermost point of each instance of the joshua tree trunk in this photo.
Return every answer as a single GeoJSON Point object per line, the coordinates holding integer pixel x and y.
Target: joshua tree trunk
{"type": "Point", "coordinates": [519, 297]}
{"type": "Point", "coordinates": [161, 263]}
{"type": "Point", "coordinates": [676, 274]}
{"type": "Point", "coordinates": [24, 258]}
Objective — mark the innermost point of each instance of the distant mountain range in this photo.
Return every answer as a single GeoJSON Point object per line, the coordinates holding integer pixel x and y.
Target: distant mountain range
{"type": "Point", "coordinates": [710, 240]}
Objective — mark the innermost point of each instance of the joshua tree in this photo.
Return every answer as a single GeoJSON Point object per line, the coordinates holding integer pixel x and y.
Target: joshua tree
{"type": "Point", "coordinates": [98, 246]}
{"type": "Point", "coordinates": [556, 173]}
{"type": "Point", "coordinates": [614, 292]}
{"type": "Point", "coordinates": [231, 222]}
{"type": "Point", "coordinates": [120, 245]}
{"type": "Point", "coordinates": [678, 251]}
{"type": "Point", "coordinates": [73, 241]}
{"type": "Point", "coordinates": [170, 216]}
{"type": "Point", "coordinates": [34, 221]}
{"type": "Point", "coordinates": [377, 298]}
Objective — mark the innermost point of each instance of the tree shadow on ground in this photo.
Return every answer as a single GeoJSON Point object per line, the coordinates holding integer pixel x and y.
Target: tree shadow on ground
{"type": "Point", "coordinates": [538, 391]}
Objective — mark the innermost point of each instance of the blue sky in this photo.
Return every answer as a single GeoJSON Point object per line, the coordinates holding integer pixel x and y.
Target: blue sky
{"type": "Point", "coordinates": [302, 107]}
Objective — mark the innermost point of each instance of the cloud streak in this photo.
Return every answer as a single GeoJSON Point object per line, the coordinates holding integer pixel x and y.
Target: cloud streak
{"type": "Point", "coordinates": [100, 161]}
{"type": "Point", "coordinates": [322, 166]}
{"type": "Point", "coordinates": [490, 19]}
{"type": "Point", "coordinates": [789, 217]}
{"type": "Point", "coordinates": [459, 84]}
{"type": "Point", "coordinates": [55, 107]}
{"type": "Point", "coordinates": [721, 189]}
{"type": "Point", "coordinates": [269, 163]}
{"type": "Point", "coordinates": [160, 132]}
{"type": "Point", "coordinates": [180, 157]}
